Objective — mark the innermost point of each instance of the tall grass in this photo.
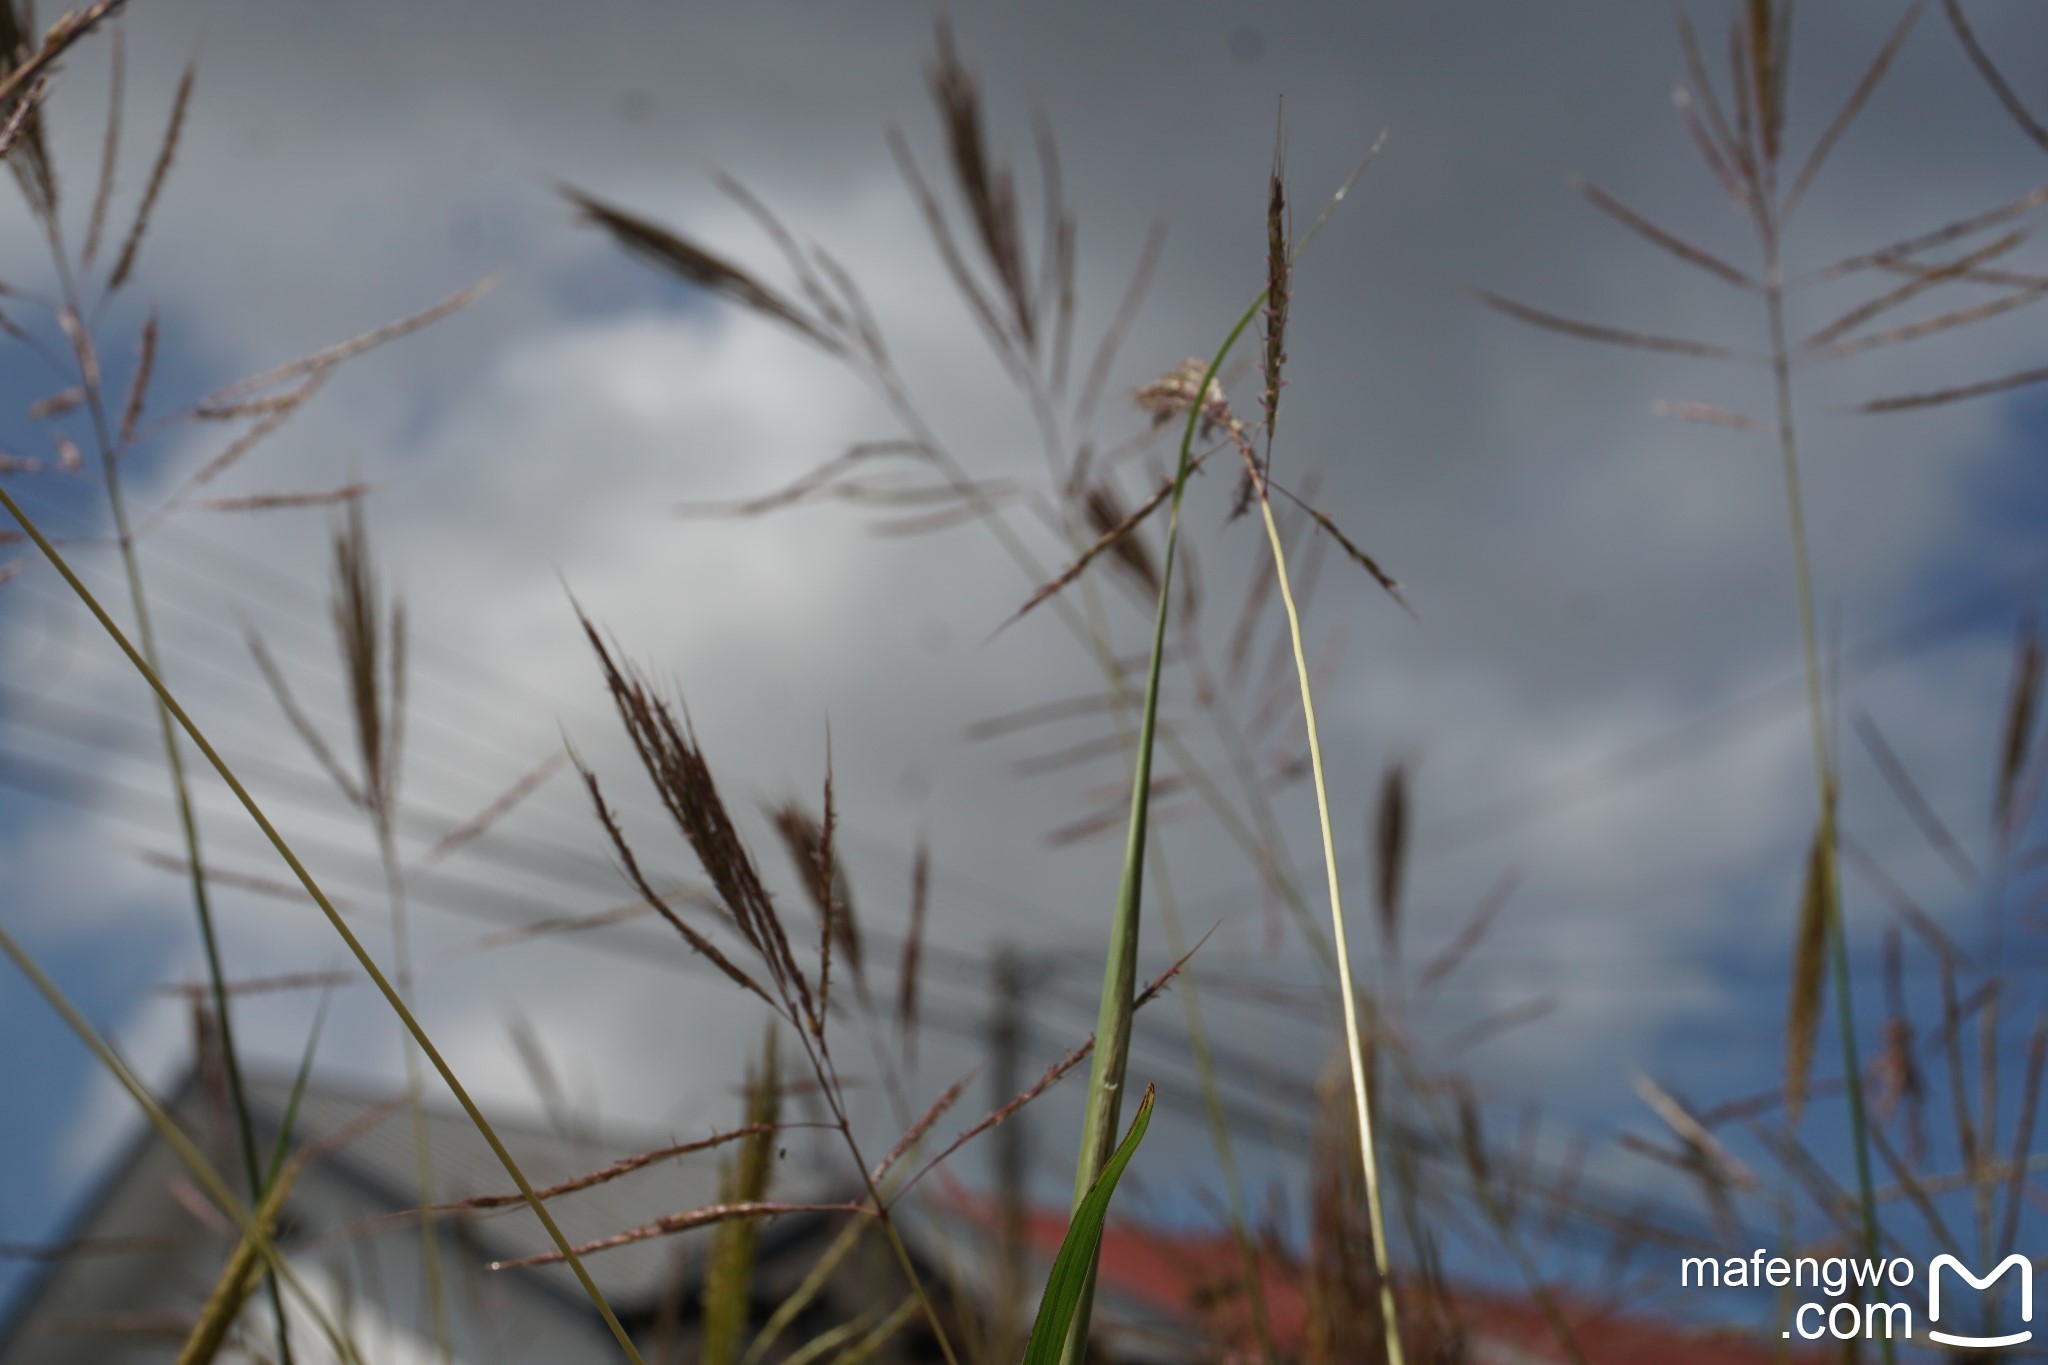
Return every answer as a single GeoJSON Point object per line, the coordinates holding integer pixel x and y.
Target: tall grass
{"type": "Point", "coordinates": [24, 85]}
{"type": "Point", "coordinates": [1084, 539]}
{"type": "Point", "coordinates": [1748, 155]}
{"type": "Point", "coordinates": [119, 426]}
{"type": "Point", "coordinates": [36, 174]}
{"type": "Point", "coordinates": [1010, 305]}
{"type": "Point", "coordinates": [1205, 406]}
{"type": "Point", "coordinates": [333, 916]}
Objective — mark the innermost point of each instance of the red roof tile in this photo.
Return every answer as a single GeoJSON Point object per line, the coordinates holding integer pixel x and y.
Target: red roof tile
{"type": "Point", "coordinates": [1191, 1276]}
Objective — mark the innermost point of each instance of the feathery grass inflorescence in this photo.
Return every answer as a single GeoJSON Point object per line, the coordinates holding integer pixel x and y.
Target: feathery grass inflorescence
{"type": "Point", "coordinates": [1965, 1190]}
{"type": "Point", "coordinates": [1080, 501]}
{"type": "Point", "coordinates": [766, 964]}
{"type": "Point", "coordinates": [1195, 390]}
{"type": "Point", "coordinates": [27, 72]}
{"type": "Point", "coordinates": [682, 778]}
{"type": "Point", "coordinates": [1026, 313]}
{"type": "Point", "coordinates": [370, 636]}
{"type": "Point", "coordinates": [1029, 330]}
{"type": "Point", "coordinates": [117, 433]}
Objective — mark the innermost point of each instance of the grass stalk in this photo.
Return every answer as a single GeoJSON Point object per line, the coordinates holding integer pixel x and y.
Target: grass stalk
{"type": "Point", "coordinates": [729, 1273]}
{"type": "Point", "coordinates": [1113, 1018]}
{"type": "Point", "coordinates": [377, 698]}
{"type": "Point", "coordinates": [1354, 1047]}
{"type": "Point", "coordinates": [1823, 768]}
{"type": "Point", "coordinates": [181, 786]}
{"type": "Point", "coordinates": [305, 878]}
{"type": "Point", "coordinates": [1198, 1032]}
{"type": "Point", "coordinates": [1745, 155]}
{"type": "Point", "coordinates": [1120, 968]}
{"type": "Point", "coordinates": [231, 1291]}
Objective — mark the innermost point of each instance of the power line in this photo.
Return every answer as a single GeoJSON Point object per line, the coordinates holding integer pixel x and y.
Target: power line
{"type": "Point", "coordinates": [1533, 803]}
{"type": "Point", "coordinates": [581, 870]}
{"type": "Point", "coordinates": [470, 773]}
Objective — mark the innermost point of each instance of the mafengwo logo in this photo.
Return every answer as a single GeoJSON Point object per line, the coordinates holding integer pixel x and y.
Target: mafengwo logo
{"type": "Point", "coordinates": [2013, 1262]}
{"type": "Point", "coordinates": [1863, 1314]}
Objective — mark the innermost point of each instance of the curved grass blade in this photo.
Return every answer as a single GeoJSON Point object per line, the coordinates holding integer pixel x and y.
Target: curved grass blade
{"type": "Point", "coordinates": [276, 1180]}
{"type": "Point", "coordinates": [1074, 1266]}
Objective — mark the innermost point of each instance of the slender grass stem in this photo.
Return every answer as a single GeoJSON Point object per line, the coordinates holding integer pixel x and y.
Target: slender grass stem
{"type": "Point", "coordinates": [340, 926]}
{"type": "Point", "coordinates": [422, 1150]}
{"type": "Point", "coordinates": [109, 451]}
{"type": "Point", "coordinates": [1354, 1047]}
{"type": "Point", "coordinates": [1120, 967]}
{"type": "Point", "coordinates": [1198, 1032]}
{"type": "Point", "coordinates": [1823, 769]}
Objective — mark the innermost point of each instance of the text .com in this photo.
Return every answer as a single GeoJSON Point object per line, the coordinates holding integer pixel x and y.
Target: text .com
{"type": "Point", "coordinates": [1868, 1314]}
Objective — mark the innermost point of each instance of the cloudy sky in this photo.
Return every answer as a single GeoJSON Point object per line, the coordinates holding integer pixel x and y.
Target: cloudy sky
{"type": "Point", "coordinates": [1600, 695]}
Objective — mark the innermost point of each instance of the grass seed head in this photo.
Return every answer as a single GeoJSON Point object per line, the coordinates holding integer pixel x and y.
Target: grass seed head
{"type": "Point", "coordinates": [174, 127]}
{"type": "Point", "coordinates": [1279, 280]}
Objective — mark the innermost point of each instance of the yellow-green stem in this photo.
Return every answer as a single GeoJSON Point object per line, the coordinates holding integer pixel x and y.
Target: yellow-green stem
{"type": "Point", "coordinates": [1354, 1047]}
{"type": "Point", "coordinates": [231, 1291]}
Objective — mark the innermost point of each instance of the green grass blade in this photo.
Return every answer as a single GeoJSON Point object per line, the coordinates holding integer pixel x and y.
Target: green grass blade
{"type": "Point", "coordinates": [1120, 967]}
{"type": "Point", "coordinates": [1120, 970]}
{"type": "Point", "coordinates": [279, 1152]}
{"type": "Point", "coordinates": [291, 1104]}
{"type": "Point", "coordinates": [1073, 1269]}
